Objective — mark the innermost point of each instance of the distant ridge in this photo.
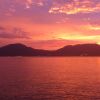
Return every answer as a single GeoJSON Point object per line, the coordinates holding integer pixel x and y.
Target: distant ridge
{"type": "Point", "coordinates": [80, 50]}
{"type": "Point", "coordinates": [19, 49]}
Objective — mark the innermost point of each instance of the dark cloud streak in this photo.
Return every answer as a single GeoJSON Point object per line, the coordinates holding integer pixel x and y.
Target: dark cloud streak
{"type": "Point", "coordinates": [15, 33]}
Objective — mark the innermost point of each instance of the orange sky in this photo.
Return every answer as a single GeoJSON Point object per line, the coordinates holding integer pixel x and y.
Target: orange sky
{"type": "Point", "coordinates": [49, 24]}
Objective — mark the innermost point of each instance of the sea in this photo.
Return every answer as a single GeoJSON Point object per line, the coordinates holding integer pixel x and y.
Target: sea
{"type": "Point", "coordinates": [49, 78]}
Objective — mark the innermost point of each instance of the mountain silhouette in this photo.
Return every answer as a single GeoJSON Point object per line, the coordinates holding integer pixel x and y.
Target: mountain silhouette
{"type": "Point", "coordinates": [79, 50]}
{"type": "Point", "coordinates": [70, 50]}
{"type": "Point", "coordinates": [21, 50]}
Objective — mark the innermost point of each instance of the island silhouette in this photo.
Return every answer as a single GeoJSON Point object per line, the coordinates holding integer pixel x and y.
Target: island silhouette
{"type": "Point", "coordinates": [19, 49]}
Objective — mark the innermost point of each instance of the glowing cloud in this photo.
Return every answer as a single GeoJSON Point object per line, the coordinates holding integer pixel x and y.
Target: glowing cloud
{"type": "Point", "coordinates": [75, 6]}
{"type": "Point", "coordinates": [34, 2]}
{"type": "Point", "coordinates": [96, 28]}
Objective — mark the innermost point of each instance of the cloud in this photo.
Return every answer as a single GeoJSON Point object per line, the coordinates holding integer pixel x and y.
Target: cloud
{"type": "Point", "coordinates": [75, 6]}
{"type": "Point", "coordinates": [30, 3]}
{"type": "Point", "coordinates": [53, 6]}
{"type": "Point", "coordinates": [90, 29]}
{"type": "Point", "coordinates": [15, 33]}
{"type": "Point", "coordinates": [94, 27]}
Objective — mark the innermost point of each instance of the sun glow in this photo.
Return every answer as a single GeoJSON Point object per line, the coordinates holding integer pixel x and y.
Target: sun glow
{"type": "Point", "coordinates": [98, 43]}
{"type": "Point", "coordinates": [49, 24]}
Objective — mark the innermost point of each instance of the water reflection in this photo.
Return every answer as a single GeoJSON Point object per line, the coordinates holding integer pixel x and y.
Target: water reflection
{"type": "Point", "coordinates": [52, 78]}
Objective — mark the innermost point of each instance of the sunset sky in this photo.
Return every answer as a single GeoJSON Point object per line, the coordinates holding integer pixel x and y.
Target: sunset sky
{"type": "Point", "coordinates": [49, 24]}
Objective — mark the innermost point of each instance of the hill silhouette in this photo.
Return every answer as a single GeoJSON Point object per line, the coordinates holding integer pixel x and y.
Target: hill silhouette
{"type": "Point", "coordinates": [80, 50]}
{"type": "Point", "coordinates": [70, 50]}
{"type": "Point", "coordinates": [21, 50]}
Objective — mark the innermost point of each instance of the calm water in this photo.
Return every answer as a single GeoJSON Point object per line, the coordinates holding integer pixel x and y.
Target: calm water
{"type": "Point", "coordinates": [52, 78]}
